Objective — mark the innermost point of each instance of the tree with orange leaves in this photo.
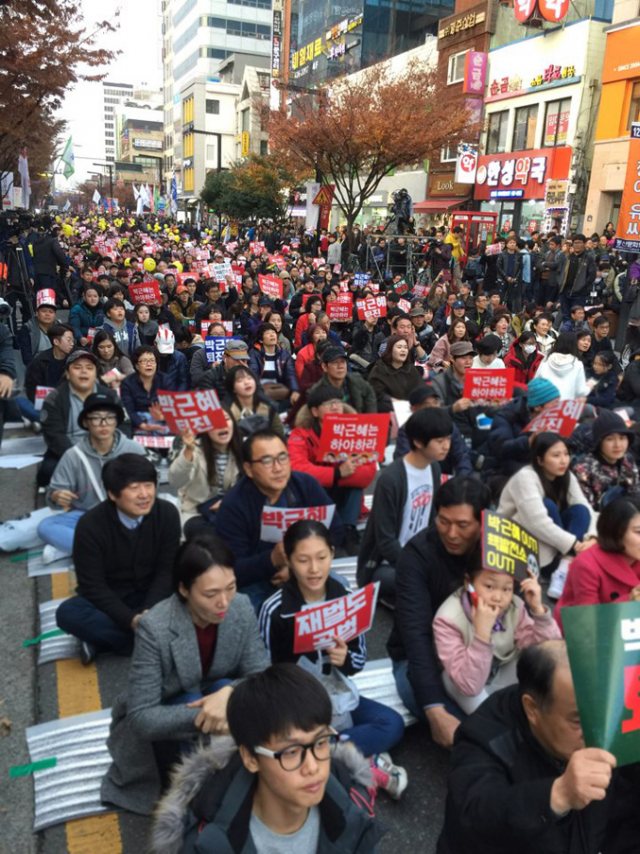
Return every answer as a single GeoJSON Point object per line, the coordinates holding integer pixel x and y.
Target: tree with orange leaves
{"type": "Point", "coordinates": [43, 44]}
{"type": "Point", "coordinates": [354, 131]}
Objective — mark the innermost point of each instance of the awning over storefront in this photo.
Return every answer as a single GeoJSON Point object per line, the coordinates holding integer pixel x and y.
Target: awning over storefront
{"type": "Point", "coordinates": [438, 205]}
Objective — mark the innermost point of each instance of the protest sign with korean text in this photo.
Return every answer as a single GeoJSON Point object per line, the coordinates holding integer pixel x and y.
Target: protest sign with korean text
{"type": "Point", "coordinates": [354, 436]}
{"type": "Point", "coordinates": [271, 286]}
{"type": "Point", "coordinates": [147, 441]}
{"type": "Point", "coordinates": [603, 642]}
{"type": "Point", "coordinates": [561, 418]}
{"type": "Point", "coordinates": [148, 292]}
{"type": "Point", "coordinates": [340, 310]}
{"type": "Point", "coordinates": [219, 272]}
{"type": "Point", "coordinates": [318, 626]}
{"type": "Point", "coordinates": [371, 307]}
{"type": "Point", "coordinates": [257, 247]}
{"type": "Point", "coordinates": [361, 279]}
{"type": "Point", "coordinates": [508, 547]}
{"type": "Point", "coordinates": [489, 385]}
{"type": "Point", "coordinates": [214, 348]}
{"type": "Point", "coordinates": [41, 392]}
{"type": "Point", "coordinates": [205, 324]}
{"type": "Point", "coordinates": [198, 411]}
{"type": "Point", "coordinates": [276, 520]}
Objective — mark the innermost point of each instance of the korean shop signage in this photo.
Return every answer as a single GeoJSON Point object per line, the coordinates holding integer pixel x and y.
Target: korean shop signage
{"type": "Point", "coordinates": [515, 175]}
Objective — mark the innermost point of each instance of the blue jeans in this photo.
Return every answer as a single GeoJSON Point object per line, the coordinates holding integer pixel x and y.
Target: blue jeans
{"type": "Point", "coordinates": [59, 530]}
{"type": "Point", "coordinates": [613, 493]}
{"type": "Point", "coordinates": [401, 675]}
{"type": "Point", "coordinates": [567, 303]}
{"type": "Point", "coordinates": [27, 409]}
{"type": "Point", "coordinates": [376, 728]}
{"type": "Point", "coordinates": [348, 501]}
{"type": "Point", "coordinates": [574, 520]}
{"type": "Point", "coordinates": [80, 618]}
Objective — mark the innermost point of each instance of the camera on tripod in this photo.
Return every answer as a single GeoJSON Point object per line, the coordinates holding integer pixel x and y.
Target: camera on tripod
{"type": "Point", "coordinates": [401, 213]}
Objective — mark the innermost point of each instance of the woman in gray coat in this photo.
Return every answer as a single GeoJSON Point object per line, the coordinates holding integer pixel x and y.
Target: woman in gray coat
{"type": "Point", "coordinates": [189, 651]}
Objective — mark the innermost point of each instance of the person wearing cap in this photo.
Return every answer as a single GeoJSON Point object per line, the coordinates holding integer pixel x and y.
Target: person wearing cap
{"type": "Point", "coordinates": [509, 447]}
{"type": "Point", "coordinates": [344, 482]}
{"type": "Point", "coordinates": [421, 319]}
{"type": "Point", "coordinates": [123, 553]}
{"type": "Point", "coordinates": [609, 470]}
{"type": "Point", "coordinates": [182, 306]}
{"type": "Point", "coordinates": [487, 349]}
{"type": "Point", "coordinates": [235, 353]}
{"type": "Point", "coordinates": [403, 499]}
{"type": "Point", "coordinates": [33, 337]}
{"type": "Point", "coordinates": [355, 390]}
{"type": "Point", "coordinates": [124, 332]}
{"type": "Point", "coordinates": [172, 363]}
{"type": "Point", "coordinates": [457, 460]}
{"type": "Point", "coordinates": [62, 407]}
{"type": "Point", "coordinates": [76, 483]}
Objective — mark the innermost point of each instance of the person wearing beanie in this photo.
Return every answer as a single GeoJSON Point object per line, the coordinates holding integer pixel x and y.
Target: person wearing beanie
{"type": "Point", "coordinates": [508, 447]}
{"type": "Point", "coordinates": [344, 482]}
{"type": "Point", "coordinates": [609, 470]}
{"type": "Point", "coordinates": [123, 553]}
{"type": "Point", "coordinates": [458, 460]}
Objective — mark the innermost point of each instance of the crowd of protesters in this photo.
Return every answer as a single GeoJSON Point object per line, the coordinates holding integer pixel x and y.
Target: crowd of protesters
{"type": "Point", "coordinates": [203, 602]}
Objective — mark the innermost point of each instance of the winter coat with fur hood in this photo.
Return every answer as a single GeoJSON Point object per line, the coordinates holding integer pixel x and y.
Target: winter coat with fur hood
{"type": "Point", "coordinates": [207, 809]}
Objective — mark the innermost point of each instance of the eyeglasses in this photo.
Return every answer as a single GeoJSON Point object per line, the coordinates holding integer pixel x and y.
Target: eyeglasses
{"type": "Point", "coordinates": [269, 462]}
{"type": "Point", "coordinates": [293, 757]}
{"type": "Point", "coordinates": [102, 419]}
{"type": "Point", "coordinates": [146, 361]}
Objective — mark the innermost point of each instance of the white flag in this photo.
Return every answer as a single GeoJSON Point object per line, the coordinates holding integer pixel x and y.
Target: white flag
{"type": "Point", "coordinates": [96, 197]}
{"type": "Point", "coordinates": [23, 169]}
{"type": "Point", "coordinates": [67, 206]}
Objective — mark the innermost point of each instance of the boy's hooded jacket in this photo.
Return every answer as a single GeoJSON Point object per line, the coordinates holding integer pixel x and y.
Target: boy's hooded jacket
{"type": "Point", "coordinates": [208, 806]}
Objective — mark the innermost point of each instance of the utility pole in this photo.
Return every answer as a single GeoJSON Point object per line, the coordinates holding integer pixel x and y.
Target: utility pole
{"type": "Point", "coordinates": [108, 166]}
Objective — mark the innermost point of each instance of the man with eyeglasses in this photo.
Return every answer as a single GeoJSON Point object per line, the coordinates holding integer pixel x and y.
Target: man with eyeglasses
{"type": "Point", "coordinates": [268, 482]}
{"type": "Point", "coordinates": [295, 790]}
{"type": "Point", "coordinates": [76, 484]}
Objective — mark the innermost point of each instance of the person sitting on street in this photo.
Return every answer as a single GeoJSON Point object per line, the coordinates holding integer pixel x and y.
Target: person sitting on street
{"type": "Point", "coordinates": [355, 390]}
{"type": "Point", "coordinates": [47, 369]}
{"type": "Point", "coordinates": [124, 332]}
{"type": "Point", "coordinates": [123, 551]}
{"type": "Point", "coordinates": [33, 337]}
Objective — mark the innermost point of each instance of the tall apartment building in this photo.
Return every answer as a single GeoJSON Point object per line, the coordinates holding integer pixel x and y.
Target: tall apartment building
{"type": "Point", "coordinates": [113, 96]}
{"type": "Point", "coordinates": [195, 44]}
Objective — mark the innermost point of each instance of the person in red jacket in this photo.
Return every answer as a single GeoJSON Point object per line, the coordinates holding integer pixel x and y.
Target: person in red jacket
{"type": "Point", "coordinates": [344, 482]}
{"type": "Point", "coordinates": [610, 570]}
{"type": "Point", "coordinates": [525, 357]}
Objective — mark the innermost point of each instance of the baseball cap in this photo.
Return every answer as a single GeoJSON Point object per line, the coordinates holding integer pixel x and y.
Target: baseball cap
{"type": "Point", "coordinates": [181, 289]}
{"type": "Point", "coordinates": [461, 348]}
{"type": "Point", "coordinates": [236, 349]}
{"type": "Point", "coordinates": [417, 311]}
{"type": "Point", "coordinates": [458, 304]}
{"type": "Point", "coordinates": [330, 354]}
{"type": "Point", "coordinates": [165, 341]}
{"type": "Point", "coordinates": [100, 400]}
{"type": "Point", "coordinates": [81, 354]}
{"type": "Point", "coordinates": [421, 393]}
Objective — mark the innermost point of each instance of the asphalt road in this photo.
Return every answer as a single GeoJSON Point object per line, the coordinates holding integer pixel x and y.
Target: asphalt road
{"type": "Point", "coordinates": [29, 695]}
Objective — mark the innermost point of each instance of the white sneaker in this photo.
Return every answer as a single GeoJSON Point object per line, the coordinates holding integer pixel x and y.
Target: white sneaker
{"type": "Point", "coordinates": [391, 778]}
{"type": "Point", "coordinates": [558, 579]}
{"type": "Point", "coordinates": [50, 554]}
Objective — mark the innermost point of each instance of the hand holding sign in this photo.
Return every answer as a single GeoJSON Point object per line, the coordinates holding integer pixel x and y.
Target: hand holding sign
{"type": "Point", "coordinates": [338, 653]}
{"type": "Point", "coordinates": [586, 779]}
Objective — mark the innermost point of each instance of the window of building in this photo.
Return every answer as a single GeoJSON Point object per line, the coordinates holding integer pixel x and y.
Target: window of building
{"type": "Point", "coordinates": [246, 119]}
{"type": "Point", "coordinates": [108, 135]}
{"type": "Point", "coordinates": [263, 81]}
{"type": "Point", "coordinates": [497, 137]}
{"type": "Point", "coordinates": [634, 105]}
{"type": "Point", "coordinates": [213, 106]}
{"type": "Point", "coordinates": [264, 147]}
{"type": "Point", "coordinates": [449, 153]}
{"type": "Point", "coordinates": [556, 123]}
{"type": "Point", "coordinates": [143, 160]}
{"type": "Point", "coordinates": [524, 132]}
{"type": "Point", "coordinates": [455, 73]}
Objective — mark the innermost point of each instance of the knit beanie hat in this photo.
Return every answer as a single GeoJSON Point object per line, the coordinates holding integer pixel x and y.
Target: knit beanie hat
{"type": "Point", "coordinates": [607, 423]}
{"type": "Point", "coordinates": [541, 391]}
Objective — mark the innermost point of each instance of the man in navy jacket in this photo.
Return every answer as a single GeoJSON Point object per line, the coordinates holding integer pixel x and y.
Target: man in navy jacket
{"type": "Point", "coordinates": [261, 566]}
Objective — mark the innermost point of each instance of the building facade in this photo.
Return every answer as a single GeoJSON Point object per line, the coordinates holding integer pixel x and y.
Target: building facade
{"type": "Point", "coordinates": [113, 96]}
{"type": "Point", "coordinates": [619, 107]}
{"type": "Point", "coordinates": [140, 143]}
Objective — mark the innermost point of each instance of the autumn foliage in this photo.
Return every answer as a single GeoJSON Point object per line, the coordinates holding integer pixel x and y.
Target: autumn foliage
{"type": "Point", "coordinates": [44, 49]}
{"type": "Point", "coordinates": [354, 131]}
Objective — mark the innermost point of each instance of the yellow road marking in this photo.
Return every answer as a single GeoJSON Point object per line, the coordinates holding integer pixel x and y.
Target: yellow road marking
{"type": "Point", "coordinates": [79, 693]}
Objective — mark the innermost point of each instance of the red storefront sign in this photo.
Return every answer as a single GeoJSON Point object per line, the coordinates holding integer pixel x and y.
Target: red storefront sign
{"type": "Point", "coordinates": [520, 174]}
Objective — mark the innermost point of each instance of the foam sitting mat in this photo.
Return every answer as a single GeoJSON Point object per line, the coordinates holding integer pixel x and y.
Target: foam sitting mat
{"type": "Point", "coordinates": [376, 682]}
{"type": "Point", "coordinates": [36, 567]}
{"type": "Point", "coordinates": [59, 646]}
{"type": "Point", "coordinates": [71, 788]}
{"type": "Point", "coordinates": [346, 568]}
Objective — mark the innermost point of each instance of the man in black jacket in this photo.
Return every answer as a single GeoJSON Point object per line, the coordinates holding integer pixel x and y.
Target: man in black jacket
{"type": "Point", "coordinates": [522, 779]}
{"type": "Point", "coordinates": [123, 554]}
{"type": "Point", "coordinates": [7, 371]}
{"type": "Point", "coordinates": [430, 567]}
{"type": "Point", "coordinates": [47, 257]}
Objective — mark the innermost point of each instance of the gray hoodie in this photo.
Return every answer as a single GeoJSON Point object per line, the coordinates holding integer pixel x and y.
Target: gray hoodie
{"type": "Point", "coordinates": [71, 473]}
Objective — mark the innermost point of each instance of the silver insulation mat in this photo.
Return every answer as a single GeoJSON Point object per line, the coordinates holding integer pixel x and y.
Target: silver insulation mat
{"type": "Point", "coordinates": [59, 647]}
{"type": "Point", "coordinates": [376, 682]}
{"type": "Point", "coordinates": [346, 567]}
{"type": "Point", "coordinates": [71, 789]}
{"type": "Point", "coordinates": [36, 568]}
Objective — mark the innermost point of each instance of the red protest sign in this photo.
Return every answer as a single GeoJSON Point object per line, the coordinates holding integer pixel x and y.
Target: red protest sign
{"type": "Point", "coordinates": [153, 441]}
{"type": "Point", "coordinates": [401, 288]}
{"type": "Point", "coordinates": [361, 436]}
{"type": "Point", "coordinates": [257, 247]}
{"type": "Point", "coordinates": [404, 305]}
{"type": "Point", "coordinates": [198, 411]}
{"type": "Point", "coordinates": [204, 326]}
{"type": "Point", "coordinates": [307, 297]}
{"type": "Point", "coordinates": [489, 384]}
{"type": "Point", "coordinates": [276, 520]}
{"type": "Point", "coordinates": [271, 286]}
{"type": "Point", "coordinates": [318, 627]}
{"type": "Point", "coordinates": [371, 307]}
{"type": "Point", "coordinates": [340, 311]}
{"type": "Point", "coordinates": [149, 292]}
{"type": "Point", "coordinates": [560, 418]}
